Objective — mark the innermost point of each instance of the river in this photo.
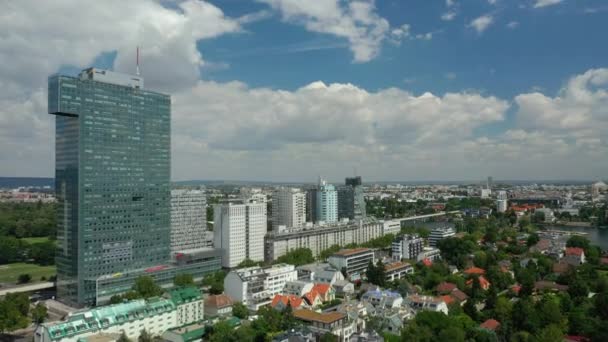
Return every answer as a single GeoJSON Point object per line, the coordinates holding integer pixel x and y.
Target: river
{"type": "Point", "coordinates": [597, 236]}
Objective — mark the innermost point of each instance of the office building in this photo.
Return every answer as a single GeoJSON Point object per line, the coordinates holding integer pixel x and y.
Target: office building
{"type": "Point", "coordinates": [501, 195]}
{"type": "Point", "coordinates": [311, 204]}
{"type": "Point", "coordinates": [318, 238]}
{"type": "Point", "coordinates": [440, 233]}
{"type": "Point", "coordinates": [354, 261]}
{"type": "Point", "coordinates": [351, 201]}
{"type": "Point", "coordinates": [288, 208]}
{"type": "Point", "coordinates": [327, 203]}
{"type": "Point", "coordinates": [256, 286]}
{"type": "Point", "coordinates": [112, 178]}
{"type": "Point", "coordinates": [239, 232]}
{"type": "Point", "coordinates": [502, 205]}
{"type": "Point", "coordinates": [397, 270]}
{"type": "Point", "coordinates": [407, 247]}
{"type": "Point", "coordinates": [188, 220]}
{"type": "Point", "coordinates": [155, 315]}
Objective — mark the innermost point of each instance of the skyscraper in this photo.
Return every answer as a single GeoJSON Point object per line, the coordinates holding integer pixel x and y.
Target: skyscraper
{"type": "Point", "coordinates": [112, 172]}
{"type": "Point", "coordinates": [351, 200]}
{"type": "Point", "coordinates": [112, 183]}
{"type": "Point", "coordinates": [188, 220]}
{"type": "Point", "coordinates": [311, 204]}
{"type": "Point", "coordinates": [288, 208]}
{"type": "Point", "coordinates": [327, 202]}
{"type": "Point", "coordinates": [239, 231]}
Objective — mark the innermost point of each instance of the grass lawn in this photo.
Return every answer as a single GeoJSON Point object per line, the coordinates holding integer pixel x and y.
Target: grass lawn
{"type": "Point", "coordinates": [32, 240]}
{"type": "Point", "coordinates": [10, 272]}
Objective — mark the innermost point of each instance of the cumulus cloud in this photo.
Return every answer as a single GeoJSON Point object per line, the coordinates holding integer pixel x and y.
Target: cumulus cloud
{"type": "Point", "coordinates": [545, 3]}
{"type": "Point", "coordinates": [513, 25]}
{"type": "Point", "coordinates": [481, 23]}
{"type": "Point", "coordinates": [356, 21]}
{"type": "Point", "coordinates": [448, 16]}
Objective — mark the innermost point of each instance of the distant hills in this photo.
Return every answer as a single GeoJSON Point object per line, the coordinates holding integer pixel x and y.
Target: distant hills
{"type": "Point", "coordinates": [16, 182]}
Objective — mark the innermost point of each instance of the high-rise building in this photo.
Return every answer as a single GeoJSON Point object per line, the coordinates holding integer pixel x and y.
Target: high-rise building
{"type": "Point", "coordinates": [490, 183]}
{"type": "Point", "coordinates": [351, 201]}
{"type": "Point", "coordinates": [311, 204]}
{"type": "Point", "coordinates": [439, 234]}
{"type": "Point", "coordinates": [188, 220]}
{"type": "Point", "coordinates": [112, 172]}
{"type": "Point", "coordinates": [288, 208]}
{"type": "Point", "coordinates": [327, 202]}
{"type": "Point", "coordinates": [239, 231]}
{"type": "Point", "coordinates": [112, 183]}
{"type": "Point", "coordinates": [407, 247]}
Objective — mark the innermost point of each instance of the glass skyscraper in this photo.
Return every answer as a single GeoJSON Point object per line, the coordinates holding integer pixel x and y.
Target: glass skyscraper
{"type": "Point", "coordinates": [327, 202]}
{"type": "Point", "coordinates": [112, 178]}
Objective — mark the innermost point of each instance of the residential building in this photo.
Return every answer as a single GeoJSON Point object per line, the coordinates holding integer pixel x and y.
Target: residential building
{"type": "Point", "coordinates": [327, 203]}
{"type": "Point", "coordinates": [383, 298]}
{"type": "Point", "coordinates": [502, 205]}
{"type": "Point", "coordinates": [218, 306]}
{"type": "Point", "coordinates": [288, 208]}
{"type": "Point", "coordinates": [281, 302]}
{"type": "Point", "coordinates": [188, 333]}
{"type": "Point", "coordinates": [440, 233]}
{"type": "Point", "coordinates": [351, 202]}
{"type": "Point", "coordinates": [319, 273]}
{"type": "Point", "coordinates": [112, 178]}
{"type": "Point", "coordinates": [354, 261]}
{"type": "Point", "coordinates": [429, 253]}
{"type": "Point", "coordinates": [344, 288]}
{"type": "Point", "coordinates": [257, 286]}
{"type": "Point", "coordinates": [574, 256]}
{"type": "Point", "coordinates": [311, 204]}
{"type": "Point", "coordinates": [155, 315]}
{"type": "Point", "coordinates": [239, 232]}
{"type": "Point", "coordinates": [298, 287]}
{"type": "Point", "coordinates": [397, 270]}
{"type": "Point", "coordinates": [430, 303]}
{"type": "Point", "coordinates": [318, 238]}
{"type": "Point", "coordinates": [407, 247]}
{"type": "Point", "coordinates": [188, 219]}
{"type": "Point", "coordinates": [391, 227]}
{"type": "Point", "coordinates": [335, 323]}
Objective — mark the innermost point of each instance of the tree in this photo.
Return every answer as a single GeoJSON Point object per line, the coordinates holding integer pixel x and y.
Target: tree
{"type": "Point", "coordinates": [524, 316]}
{"type": "Point", "coordinates": [600, 302]}
{"type": "Point", "coordinates": [144, 336]}
{"type": "Point", "coordinates": [184, 279]}
{"type": "Point", "coordinates": [14, 309]}
{"type": "Point", "coordinates": [10, 248]}
{"type": "Point", "coordinates": [532, 240]}
{"type": "Point", "coordinates": [240, 310]}
{"type": "Point", "coordinates": [146, 287]}
{"type": "Point", "coordinates": [503, 310]}
{"type": "Point", "coordinates": [455, 334]}
{"type": "Point", "coordinates": [247, 263]}
{"type": "Point", "coordinates": [123, 338]}
{"type": "Point", "coordinates": [329, 337]}
{"type": "Point", "coordinates": [491, 298]}
{"type": "Point", "coordinates": [43, 253]}
{"type": "Point", "coordinates": [550, 333]}
{"type": "Point", "coordinates": [39, 313]}
{"type": "Point", "coordinates": [297, 257]}
{"type": "Point", "coordinates": [578, 241]}
{"type": "Point", "coordinates": [24, 278]}
{"type": "Point", "coordinates": [577, 288]}
{"type": "Point", "coordinates": [380, 274]}
{"type": "Point", "coordinates": [370, 273]}
{"type": "Point", "coordinates": [115, 299]}
{"type": "Point", "coordinates": [470, 309]}
{"type": "Point", "coordinates": [215, 281]}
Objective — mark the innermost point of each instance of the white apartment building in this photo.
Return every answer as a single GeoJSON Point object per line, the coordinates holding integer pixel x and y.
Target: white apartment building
{"type": "Point", "coordinates": [239, 231]}
{"type": "Point", "coordinates": [318, 238]}
{"type": "Point", "coordinates": [188, 220]}
{"type": "Point", "coordinates": [256, 286]}
{"type": "Point", "coordinates": [354, 261]}
{"type": "Point", "coordinates": [155, 315]}
{"type": "Point", "coordinates": [502, 205]}
{"type": "Point", "coordinates": [391, 227]}
{"type": "Point", "coordinates": [440, 233]}
{"type": "Point", "coordinates": [288, 208]}
{"type": "Point", "coordinates": [407, 247]}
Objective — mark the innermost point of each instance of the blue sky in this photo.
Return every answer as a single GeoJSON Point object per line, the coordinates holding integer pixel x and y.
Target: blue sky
{"type": "Point", "coordinates": [289, 90]}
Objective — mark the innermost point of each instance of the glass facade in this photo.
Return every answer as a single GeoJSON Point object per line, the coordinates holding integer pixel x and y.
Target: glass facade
{"type": "Point", "coordinates": [112, 181]}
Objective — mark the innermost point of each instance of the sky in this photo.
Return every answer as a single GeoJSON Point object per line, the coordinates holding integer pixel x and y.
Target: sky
{"type": "Point", "coordinates": [287, 90]}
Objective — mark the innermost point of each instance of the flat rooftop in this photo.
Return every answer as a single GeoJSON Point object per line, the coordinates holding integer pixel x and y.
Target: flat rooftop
{"type": "Point", "coordinates": [353, 251]}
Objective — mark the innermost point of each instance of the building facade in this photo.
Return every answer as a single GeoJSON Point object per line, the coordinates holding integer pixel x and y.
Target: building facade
{"type": "Point", "coordinates": [407, 247]}
{"type": "Point", "coordinates": [239, 232]}
{"type": "Point", "coordinates": [351, 200]}
{"type": "Point", "coordinates": [440, 233]}
{"type": "Point", "coordinates": [288, 208]}
{"type": "Point", "coordinates": [188, 220]}
{"type": "Point", "coordinates": [354, 261]}
{"type": "Point", "coordinates": [156, 315]}
{"type": "Point", "coordinates": [318, 238]}
{"type": "Point", "coordinates": [112, 178]}
{"type": "Point", "coordinates": [327, 203]}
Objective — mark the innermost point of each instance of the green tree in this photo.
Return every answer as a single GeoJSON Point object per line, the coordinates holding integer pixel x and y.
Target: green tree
{"type": "Point", "coordinates": [532, 240]}
{"type": "Point", "coordinates": [600, 302]}
{"type": "Point", "coordinates": [247, 263]}
{"type": "Point", "coordinates": [503, 309]}
{"type": "Point", "coordinates": [14, 310]}
{"type": "Point", "coordinates": [370, 273]}
{"type": "Point", "coordinates": [123, 338]}
{"type": "Point", "coordinates": [240, 310]}
{"type": "Point", "coordinates": [577, 288]}
{"type": "Point", "coordinates": [452, 334]}
{"type": "Point", "coordinates": [39, 313]}
{"type": "Point", "coordinates": [578, 241]}
{"type": "Point", "coordinates": [524, 316]}
{"type": "Point", "coordinates": [470, 309]}
{"type": "Point", "coordinates": [550, 333]}
{"type": "Point", "coordinates": [215, 281]}
{"type": "Point", "coordinates": [146, 287]}
{"type": "Point", "coordinates": [10, 248]}
{"type": "Point", "coordinates": [24, 278]}
{"type": "Point", "coordinates": [222, 332]}
{"type": "Point", "coordinates": [329, 337]}
{"type": "Point", "coordinates": [144, 336]}
{"type": "Point", "coordinates": [184, 279]}
{"type": "Point", "coordinates": [297, 257]}
{"type": "Point", "coordinates": [43, 253]}
{"type": "Point", "coordinates": [115, 299]}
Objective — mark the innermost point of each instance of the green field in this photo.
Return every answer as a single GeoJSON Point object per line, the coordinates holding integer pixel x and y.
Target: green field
{"type": "Point", "coordinates": [32, 240]}
{"type": "Point", "coordinates": [10, 272]}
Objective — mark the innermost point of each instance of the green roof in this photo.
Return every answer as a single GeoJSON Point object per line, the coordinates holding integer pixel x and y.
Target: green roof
{"type": "Point", "coordinates": [190, 332]}
{"type": "Point", "coordinates": [185, 294]}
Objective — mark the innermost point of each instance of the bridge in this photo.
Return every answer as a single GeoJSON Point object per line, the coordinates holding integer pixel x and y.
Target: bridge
{"type": "Point", "coordinates": [27, 288]}
{"type": "Point", "coordinates": [424, 218]}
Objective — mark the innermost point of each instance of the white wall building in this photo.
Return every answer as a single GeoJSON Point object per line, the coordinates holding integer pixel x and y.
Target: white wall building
{"type": "Point", "coordinates": [440, 233]}
{"type": "Point", "coordinates": [502, 205]}
{"type": "Point", "coordinates": [239, 231]}
{"type": "Point", "coordinates": [288, 208]}
{"type": "Point", "coordinates": [355, 260]}
{"type": "Point", "coordinates": [407, 247]}
{"type": "Point", "coordinates": [188, 220]}
{"type": "Point", "coordinates": [256, 286]}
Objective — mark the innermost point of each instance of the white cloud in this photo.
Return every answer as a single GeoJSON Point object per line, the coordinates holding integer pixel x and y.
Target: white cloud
{"type": "Point", "coordinates": [448, 16]}
{"type": "Point", "coordinates": [481, 23]}
{"type": "Point", "coordinates": [450, 3]}
{"type": "Point", "coordinates": [450, 75]}
{"type": "Point", "coordinates": [492, 2]}
{"type": "Point", "coordinates": [356, 21]}
{"type": "Point", "coordinates": [513, 24]}
{"type": "Point", "coordinates": [545, 3]}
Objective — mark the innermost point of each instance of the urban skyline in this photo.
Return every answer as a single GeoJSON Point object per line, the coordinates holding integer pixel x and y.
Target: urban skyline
{"type": "Point", "coordinates": [426, 91]}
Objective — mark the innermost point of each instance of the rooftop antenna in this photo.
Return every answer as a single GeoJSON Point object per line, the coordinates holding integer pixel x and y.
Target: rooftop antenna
{"type": "Point", "coordinates": [137, 62]}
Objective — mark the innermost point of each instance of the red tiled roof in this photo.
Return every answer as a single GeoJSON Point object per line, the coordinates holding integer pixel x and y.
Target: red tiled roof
{"type": "Point", "coordinates": [574, 251]}
{"type": "Point", "coordinates": [292, 300]}
{"type": "Point", "coordinates": [218, 301]}
{"type": "Point", "coordinates": [321, 288]}
{"type": "Point", "coordinates": [427, 262]}
{"type": "Point", "coordinates": [459, 295]}
{"type": "Point", "coordinates": [446, 287]}
{"type": "Point", "coordinates": [311, 316]}
{"type": "Point", "coordinates": [311, 296]}
{"type": "Point", "coordinates": [516, 288]}
{"type": "Point", "coordinates": [448, 299]}
{"type": "Point", "coordinates": [474, 270]}
{"type": "Point", "coordinates": [483, 282]}
{"type": "Point", "coordinates": [395, 266]}
{"type": "Point", "coordinates": [490, 324]}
